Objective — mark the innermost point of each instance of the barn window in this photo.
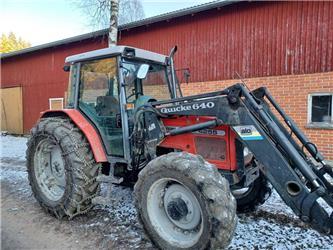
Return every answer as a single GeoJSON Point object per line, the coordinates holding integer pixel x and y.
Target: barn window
{"type": "Point", "coordinates": [56, 103]}
{"type": "Point", "coordinates": [320, 109]}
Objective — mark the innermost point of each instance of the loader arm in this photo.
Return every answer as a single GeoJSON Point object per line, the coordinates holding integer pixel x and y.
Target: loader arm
{"type": "Point", "coordinates": [282, 159]}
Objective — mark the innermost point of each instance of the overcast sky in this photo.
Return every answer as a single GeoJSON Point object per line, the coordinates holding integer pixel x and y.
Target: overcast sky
{"type": "Point", "coordinates": [43, 21]}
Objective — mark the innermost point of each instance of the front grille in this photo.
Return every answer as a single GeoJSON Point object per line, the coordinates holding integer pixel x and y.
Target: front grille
{"type": "Point", "coordinates": [211, 148]}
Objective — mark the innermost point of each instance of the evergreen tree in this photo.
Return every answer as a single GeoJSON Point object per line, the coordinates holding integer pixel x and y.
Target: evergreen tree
{"type": "Point", "coordinates": [10, 42]}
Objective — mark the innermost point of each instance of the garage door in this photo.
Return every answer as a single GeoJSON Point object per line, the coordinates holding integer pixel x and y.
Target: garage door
{"type": "Point", "coordinates": [11, 110]}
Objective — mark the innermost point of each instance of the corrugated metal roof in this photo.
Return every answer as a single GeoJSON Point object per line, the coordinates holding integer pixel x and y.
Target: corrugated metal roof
{"type": "Point", "coordinates": [146, 21]}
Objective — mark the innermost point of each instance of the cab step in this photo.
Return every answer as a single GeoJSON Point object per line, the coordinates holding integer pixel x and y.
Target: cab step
{"type": "Point", "coordinates": [109, 180]}
{"type": "Point", "coordinates": [100, 200]}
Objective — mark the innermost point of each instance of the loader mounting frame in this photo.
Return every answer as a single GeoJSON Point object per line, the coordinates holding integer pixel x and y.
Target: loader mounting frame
{"type": "Point", "coordinates": [282, 159]}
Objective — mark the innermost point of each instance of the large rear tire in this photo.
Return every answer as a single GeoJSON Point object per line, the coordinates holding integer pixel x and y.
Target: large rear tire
{"type": "Point", "coordinates": [184, 203]}
{"type": "Point", "coordinates": [61, 168]}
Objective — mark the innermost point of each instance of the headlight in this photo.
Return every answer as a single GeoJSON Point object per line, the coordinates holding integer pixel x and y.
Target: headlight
{"type": "Point", "coordinates": [246, 151]}
{"type": "Point", "coordinates": [248, 156]}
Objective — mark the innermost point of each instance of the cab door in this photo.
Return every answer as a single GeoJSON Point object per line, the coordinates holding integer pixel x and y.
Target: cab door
{"type": "Point", "coordinates": [99, 101]}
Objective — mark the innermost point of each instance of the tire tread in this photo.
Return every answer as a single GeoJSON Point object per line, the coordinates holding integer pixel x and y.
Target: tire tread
{"type": "Point", "coordinates": [79, 164]}
{"type": "Point", "coordinates": [215, 189]}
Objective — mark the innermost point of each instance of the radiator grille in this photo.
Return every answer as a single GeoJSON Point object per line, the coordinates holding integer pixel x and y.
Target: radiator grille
{"type": "Point", "coordinates": [211, 148]}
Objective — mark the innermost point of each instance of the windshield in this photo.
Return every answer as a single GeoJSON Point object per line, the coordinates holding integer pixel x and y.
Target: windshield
{"type": "Point", "coordinates": [156, 84]}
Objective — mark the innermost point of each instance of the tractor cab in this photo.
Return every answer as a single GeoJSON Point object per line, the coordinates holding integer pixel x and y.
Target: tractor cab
{"type": "Point", "coordinates": [108, 85]}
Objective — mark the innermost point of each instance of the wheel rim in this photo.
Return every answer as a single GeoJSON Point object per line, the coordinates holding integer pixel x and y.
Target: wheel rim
{"type": "Point", "coordinates": [242, 192]}
{"type": "Point", "coordinates": [50, 169]}
{"type": "Point", "coordinates": [175, 213]}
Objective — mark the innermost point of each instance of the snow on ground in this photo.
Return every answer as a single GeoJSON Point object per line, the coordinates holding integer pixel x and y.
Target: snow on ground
{"type": "Point", "coordinates": [275, 205]}
{"type": "Point", "coordinates": [273, 226]}
{"type": "Point", "coordinates": [13, 147]}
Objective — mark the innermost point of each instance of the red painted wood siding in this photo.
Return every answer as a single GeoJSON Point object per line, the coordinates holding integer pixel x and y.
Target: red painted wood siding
{"type": "Point", "coordinates": [251, 38]}
{"type": "Point", "coordinates": [41, 76]}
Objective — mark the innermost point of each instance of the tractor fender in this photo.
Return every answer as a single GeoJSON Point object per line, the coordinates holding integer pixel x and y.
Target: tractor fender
{"type": "Point", "coordinates": [87, 129]}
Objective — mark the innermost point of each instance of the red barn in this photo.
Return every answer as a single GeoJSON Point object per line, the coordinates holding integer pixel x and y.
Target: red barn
{"type": "Point", "coordinates": [286, 46]}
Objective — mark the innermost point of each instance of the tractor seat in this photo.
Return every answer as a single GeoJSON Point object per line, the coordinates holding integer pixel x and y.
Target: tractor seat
{"type": "Point", "coordinates": [107, 106]}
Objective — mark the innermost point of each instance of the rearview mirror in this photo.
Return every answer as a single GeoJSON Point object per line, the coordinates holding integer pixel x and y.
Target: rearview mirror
{"type": "Point", "coordinates": [66, 68]}
{"type": "Point", "coordinates": [142, 71]}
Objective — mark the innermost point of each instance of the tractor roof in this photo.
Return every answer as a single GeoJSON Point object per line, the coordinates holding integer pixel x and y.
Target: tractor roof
{"type": "Point", "coordinates": [118, 50]}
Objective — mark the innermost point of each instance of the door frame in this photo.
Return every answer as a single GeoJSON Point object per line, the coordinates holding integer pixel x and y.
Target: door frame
{"type": "Point", "coordinates": [124, 117]}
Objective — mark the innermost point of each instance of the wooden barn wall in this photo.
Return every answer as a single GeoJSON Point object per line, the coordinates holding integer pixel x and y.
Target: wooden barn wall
{"type": "Point", "coordinates": [251, 38]}
{"type": "Point", "coordinates": [41, 76]}
{"type": "Point", "coordinates": [254, 39]}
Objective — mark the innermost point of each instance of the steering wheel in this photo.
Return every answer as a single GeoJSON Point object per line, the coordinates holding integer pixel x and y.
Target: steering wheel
{"type": "Point", "coordinates": [131, 95]}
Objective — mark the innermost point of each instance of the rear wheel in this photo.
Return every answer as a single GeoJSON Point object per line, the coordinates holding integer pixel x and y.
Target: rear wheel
{"type": "Point", "coordinates": [184, 203]}
{"type": "Point", "coordinates": [61, 168]}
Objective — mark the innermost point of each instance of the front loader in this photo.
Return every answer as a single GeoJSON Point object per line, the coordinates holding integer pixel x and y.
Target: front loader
{"type": "Point", "coordinates": [194, 161]}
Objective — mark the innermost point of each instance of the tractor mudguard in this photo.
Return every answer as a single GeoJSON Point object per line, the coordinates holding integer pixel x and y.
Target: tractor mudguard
{"type": "Point", "coordinates": [87, 129]}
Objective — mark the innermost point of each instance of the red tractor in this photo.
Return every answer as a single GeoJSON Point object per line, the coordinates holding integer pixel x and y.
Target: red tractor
{"type": "Point", "coordinates": [194, 160]}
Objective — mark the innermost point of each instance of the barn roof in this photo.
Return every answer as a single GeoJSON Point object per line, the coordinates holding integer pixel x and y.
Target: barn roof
{"type": "Point", "coordinates": [146, 21]}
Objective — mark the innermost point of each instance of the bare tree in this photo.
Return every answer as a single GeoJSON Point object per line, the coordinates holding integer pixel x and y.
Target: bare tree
{"type": "Point", "coordinates": [130, 11]}
{"type": "Point", "coordinates": [104, 13]}
{"type": "Point", "coordinates": [113, 28]}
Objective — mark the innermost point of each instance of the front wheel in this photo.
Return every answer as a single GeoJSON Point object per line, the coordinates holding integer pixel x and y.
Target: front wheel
{"type": "Point", "coordinates": [184, 203]}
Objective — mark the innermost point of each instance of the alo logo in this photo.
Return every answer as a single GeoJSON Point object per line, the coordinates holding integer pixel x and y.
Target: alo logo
{"type": "Point", "coordinates": [247, 131]}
